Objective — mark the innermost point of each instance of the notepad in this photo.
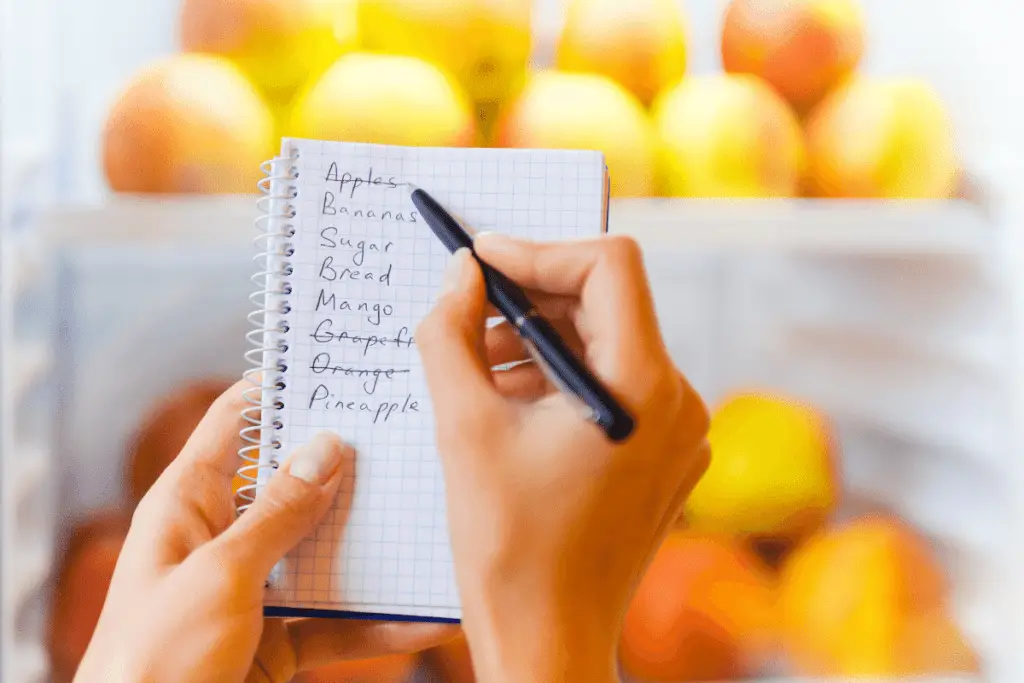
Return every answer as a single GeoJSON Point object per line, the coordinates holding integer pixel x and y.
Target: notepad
{"type": "Point", "coordinates": [347, 270]}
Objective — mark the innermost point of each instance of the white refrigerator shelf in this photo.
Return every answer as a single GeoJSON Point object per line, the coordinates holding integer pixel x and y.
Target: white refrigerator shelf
{"type": "Point", "coordinates": [841, 226]}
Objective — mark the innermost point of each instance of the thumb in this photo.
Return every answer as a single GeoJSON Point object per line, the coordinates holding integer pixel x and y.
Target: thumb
{"type": "Point", "coordinates": [290, 505]}
{"type": "Point", "coordinates": [450, 340]}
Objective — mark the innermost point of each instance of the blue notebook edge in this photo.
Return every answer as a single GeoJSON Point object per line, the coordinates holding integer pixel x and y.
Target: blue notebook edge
{"type": "Point", "coordinates": [306, 612]}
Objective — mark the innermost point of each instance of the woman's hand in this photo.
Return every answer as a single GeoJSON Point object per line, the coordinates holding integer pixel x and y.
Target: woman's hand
{"type": "Point", "coordinates": [552, 525]}
{"type": "Point", "coordinates": [186, 599]}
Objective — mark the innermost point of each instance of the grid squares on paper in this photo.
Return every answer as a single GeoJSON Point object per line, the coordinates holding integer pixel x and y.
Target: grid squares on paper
{"type": "Point", "coordinates": [365, 272]}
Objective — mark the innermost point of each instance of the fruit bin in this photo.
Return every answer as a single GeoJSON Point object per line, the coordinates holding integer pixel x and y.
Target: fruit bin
{"type": "Point", "coordinates": [891, 318]}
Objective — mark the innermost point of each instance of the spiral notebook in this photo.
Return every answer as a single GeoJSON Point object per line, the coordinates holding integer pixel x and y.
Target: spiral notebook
{"type": "Point", "coordinates": [347, 269]}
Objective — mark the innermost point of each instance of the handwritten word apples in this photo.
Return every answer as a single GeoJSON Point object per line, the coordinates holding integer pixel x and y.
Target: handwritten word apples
{"type": "Point", "coordinates": [882, 139]}
{"type": "Point", "coordinates": [703, 611]}
{"type": "Point", "coordinates": [585, 111]}
{"type": "Point", "coordinates": [389, 669]}
{"type": "Point", "coordinates": [385, 99]}
{"type": "Point", "coordinates": [484, 44]}
{"type": "Point", "coordinates": [869, 599]}
{"type": "Point", "coordinates": [640, 44]}
{"type": "Point", "coordinates": [280, 44]}
{"type": "Point", "coordinates": [188, 124]}
{"type": "Point", "coordinates": [728, 136]}
{"type": "Point", "coordinates": [164, 431]}
{"type": "Point", "coordinates": [81, 588]}
{"type": "Point", "coordinates": [772, 474]}
{"type": "Point", "coordinates": [803, 48]}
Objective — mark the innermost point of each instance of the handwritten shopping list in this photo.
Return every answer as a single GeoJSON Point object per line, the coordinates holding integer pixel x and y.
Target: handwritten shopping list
{"type": "Point", "coordinates": [364, 383]}
{"type": "Point", "coordinates": [365, 270]}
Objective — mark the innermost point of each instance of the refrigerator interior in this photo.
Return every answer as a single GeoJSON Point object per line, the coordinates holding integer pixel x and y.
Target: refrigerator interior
{"type": "Point", "coordinates": [902, 322]}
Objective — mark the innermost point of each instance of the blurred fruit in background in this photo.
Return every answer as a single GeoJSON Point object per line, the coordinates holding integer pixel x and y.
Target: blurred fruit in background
{"type": "Point", "coordinates": [560, 110]}
{"type": "Point", "coordinates": [189, 123]}
{"type": "Point", "coordinates": [882, 139]}
{"type": "Point", "coordinates": [451, 662]}
{"type": "Point", "coordinates": [81, 588]}
{"type": "Point", "coordinates": [385, 99]}
{"type": "Point", "coordinates": [702, 612]}
{"type": "Point", "coordinates": [485, 44]}
{"type": "Point", "coordinates": [640, 44]}
{"type": "Point", "coordinates": [279, 44]}
{"type": "Point", "coordinates": [773, 472]}
{"type": "Point", "coordinates": [164, 431]}
{"type": "Point", "coordinates": [803, 48]}
{"type": "Point", "coordinates": [869, 599]}
{"type": "Point", "coordinates": [390, 669]}
{"type": "Point", "coordinates": [728, 136]}
{"type": "Point", "coordinates": [457, 73]}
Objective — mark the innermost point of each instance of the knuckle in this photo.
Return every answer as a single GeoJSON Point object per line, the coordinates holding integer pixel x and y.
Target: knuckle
{"type": "Point", "coordinates": [624, 250]}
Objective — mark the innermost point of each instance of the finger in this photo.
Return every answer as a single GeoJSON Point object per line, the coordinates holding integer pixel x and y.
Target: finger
{"type": "Point", "coordinates": [524, 382]}
{"type": "Point", "coordinates": [450, 340]}
{"type": "Point", "coordinates": [504, 345]}
{"type": "Point", "coordinates": [317, 642]}
{"type": "Point", "coordinates": [550, 306]}
{"type": "Point", "coordinates": [190, 502]}
{"type": "Point", "coordinates": [215, 442]}
{"type": "Point", "coordinates": [289, 506]}
{"type": "Point", "coordinates": [609, 271]}
{"type": "Point", "coordinates": [616, 316]}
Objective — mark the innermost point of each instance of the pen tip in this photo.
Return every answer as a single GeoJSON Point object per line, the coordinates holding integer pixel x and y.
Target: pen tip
{"type": "Point", "coordinates": [412, 188]}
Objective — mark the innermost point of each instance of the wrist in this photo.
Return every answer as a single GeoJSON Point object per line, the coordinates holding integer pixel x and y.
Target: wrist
{"type": "Point", "coordinates": [536, 641]}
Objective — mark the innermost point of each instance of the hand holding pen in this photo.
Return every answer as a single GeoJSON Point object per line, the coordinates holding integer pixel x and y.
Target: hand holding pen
{"type": "Point", "coordinates": [552, 522]}
{"type": "Point", "coordinates": [557, 360]}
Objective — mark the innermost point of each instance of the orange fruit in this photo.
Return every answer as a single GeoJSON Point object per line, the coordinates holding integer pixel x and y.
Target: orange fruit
{"type": "Point", "coordinates": [164, 431]}
{"type": "Point", "coordinates": [803, 48]}
{"type": "Point", "coordinates": [279, 44]}
{"type": "Point", "coordinates": [384, 99]}
{"type": "Point", "coordinates": [640, 44]}
{"type": "Point", "coordinates": [728, 135]}
{"type": "Point", "coordinates": [869, 599]}
{"type": "Point", "coordinates": [188, 124]}
{"type": "Point", "coordinates": [81, 586]}
{"type": "Point", "coordinates": [882, 139]}
{"type": "Point", "coordinates": [560, 110]}
{"type": "Point", "coordinates": [703, 611]}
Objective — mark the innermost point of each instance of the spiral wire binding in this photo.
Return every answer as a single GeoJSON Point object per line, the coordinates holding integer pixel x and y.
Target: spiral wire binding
{"type": "Point", "coordinates": [267, 374]}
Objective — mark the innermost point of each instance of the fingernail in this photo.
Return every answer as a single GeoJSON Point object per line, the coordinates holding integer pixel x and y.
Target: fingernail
{"type": "Point", "coordinates": [453, 273]}
{"type": "Point", "coordinates": [318, 460]}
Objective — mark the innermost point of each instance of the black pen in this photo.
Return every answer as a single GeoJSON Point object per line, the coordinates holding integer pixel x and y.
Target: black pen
{"type": "Point", "coordinates": [563, 365]}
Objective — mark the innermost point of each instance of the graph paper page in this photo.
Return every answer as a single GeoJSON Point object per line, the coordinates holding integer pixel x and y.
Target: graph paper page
{"type": "Point", "coordinates": [365, 270]}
